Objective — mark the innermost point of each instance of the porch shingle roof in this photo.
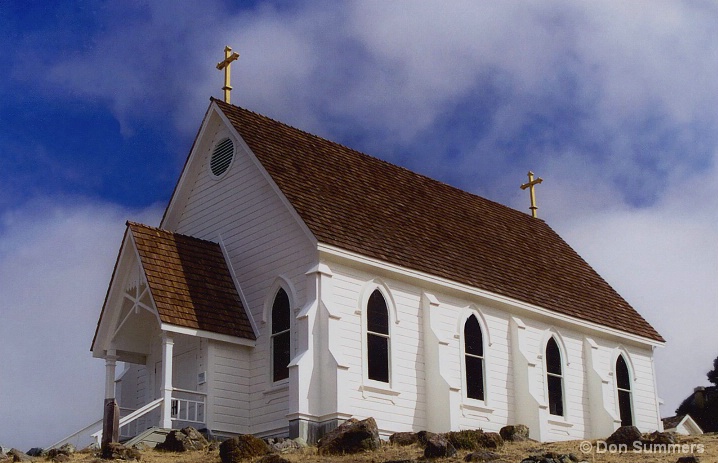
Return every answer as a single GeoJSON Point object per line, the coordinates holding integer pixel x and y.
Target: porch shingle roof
{"type": "Point", "coordinates": [190, 282]}
{"type": "Point", "coordinates": [365, 205]}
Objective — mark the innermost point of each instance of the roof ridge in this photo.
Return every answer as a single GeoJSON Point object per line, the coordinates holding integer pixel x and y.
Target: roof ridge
{"type": "Point", "coordinates": [383, 161]}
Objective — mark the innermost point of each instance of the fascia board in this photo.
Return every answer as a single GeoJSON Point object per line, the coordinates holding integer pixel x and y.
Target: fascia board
{"type": "Point", "coordinates": [513, 305]}
{"type": "Point", "coordinates": [207, 335]}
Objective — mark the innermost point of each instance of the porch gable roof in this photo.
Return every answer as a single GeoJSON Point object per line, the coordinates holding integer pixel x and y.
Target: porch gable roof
{"type": "Point", "coordinates": [190, 282]}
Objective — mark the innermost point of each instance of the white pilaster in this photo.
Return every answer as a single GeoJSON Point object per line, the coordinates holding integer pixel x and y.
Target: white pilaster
{"type": "Point", "coordinates": [110, 364]}
{"type": "Point", "coordinates": [166, 391]}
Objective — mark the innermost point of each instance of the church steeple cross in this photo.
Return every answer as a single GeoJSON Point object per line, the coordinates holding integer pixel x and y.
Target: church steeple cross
{"type": "Point", "coordinates": [228, 58]}
{"type": "Point", "coordinates": [531, 183]}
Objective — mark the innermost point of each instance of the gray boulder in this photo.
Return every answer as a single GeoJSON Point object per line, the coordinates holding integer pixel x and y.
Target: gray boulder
{"type": "Point", "coordinates": [283, 444]}
{"type": "Point", "coordinates": [352, 436]}
{"type": "Point", "coordinates": [424, 436]}
{"type": "Point", "coordinates": [438, 446]}
{"type": "Point", "coordinates": [625, 435]}
{"type": "Point", "coordinates": [242, 447]}
{"type": "Point", "coordinates": [515, 433]}
{"type": "Point", "coordinates": [116, 451]}
{"type": "Point", "coordinates": [183, 440]}
{"type": "Point", "coordinates": [36, 452]}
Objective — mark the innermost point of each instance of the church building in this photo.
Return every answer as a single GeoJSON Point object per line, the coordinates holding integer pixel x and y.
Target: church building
{"type": "Point", "coordinates": [294, 283]}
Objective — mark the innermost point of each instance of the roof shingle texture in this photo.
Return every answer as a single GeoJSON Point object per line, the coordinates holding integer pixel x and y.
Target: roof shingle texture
{"type": "Point", "coordinates": [190, 282]}
{"type": "Point", "coordinates": [365, 205]}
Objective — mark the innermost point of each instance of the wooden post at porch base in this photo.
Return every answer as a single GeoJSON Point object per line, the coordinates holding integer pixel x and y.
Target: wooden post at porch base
{"type": "Point", "coordinates": [110, 423]}
{"type": "Point", "coordinates": [111, 412]}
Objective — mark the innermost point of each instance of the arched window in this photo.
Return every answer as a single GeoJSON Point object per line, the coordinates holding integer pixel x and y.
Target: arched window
{"type": "Point", "coordinates": [554, 378]}
{"type": "Point", "coordinates": [280, 336]}
{"type": "Point", "coordinates": [623, 384]}
{"type": "Point", "coordinates": [474, 359]}
{"type": "Point", "coordinates": [377, 337]}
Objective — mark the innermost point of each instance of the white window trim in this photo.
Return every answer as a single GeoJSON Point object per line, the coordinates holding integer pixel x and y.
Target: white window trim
{"type": "Point", "coordinates": [469, 401]}
{"type": "Point", "coordinates": [552, 334]}
{"type": "Point", "coordinates": [280, 283]}
{"type": "Point", "coordinates": [367, 291]}
{"type": "Point", "coordinates": [631, 379]}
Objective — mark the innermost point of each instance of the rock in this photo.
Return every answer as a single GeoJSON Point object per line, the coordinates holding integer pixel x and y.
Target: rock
{"type": "Point", "coordinates": [424, 436]}
{"type": "Point", "coordinates": [625, 435]}
{"type": "Point", "coordinates": [474, 439]}
{"type": "Point", "coordinates": [115, 451]}
{"type": "Point", "coordinates": [491, 440]}
{"type": "Point", "coordinates": [241, 447]}
{"type": "Point", "coordinates": [18, 455]}
{"type": "Point", "coordinates": [60, 458]}
{"type": "Point", "coordinates": [301, 442]}
{"type": "Point", "coordinates": [141, 447]}
{"type": "Point", "coordinates": [65, 450]}
{"type": "Point", "coordinates": [659, 438]}
{"type": "Point", "coordinates": [515, 433]}
{"type": "Point", "coordinates": [438, 446]}
{"type": "Point", "coordinates": [482, 456]}
{"type": "Point", "coordinates": [272, 458]}
{"type": "Point", "coordinates": [183, 440]}
{"type": "Point", "coordinates": [688, 459]}
{"type": "Point", "coordinates": [551, 457]}
{"type": "Point", "coordinates": [352, 436]}
{"type": "Point", "coordinates": [404, 438]}
{"type": "Point", "coordinates": [213, 446]}
{"type": "Point", "coordinates": [68, 448]}
{"type": "Point", "coordinates": [36, 452]}
{"type": "Point", "coordinates": [282, 444]}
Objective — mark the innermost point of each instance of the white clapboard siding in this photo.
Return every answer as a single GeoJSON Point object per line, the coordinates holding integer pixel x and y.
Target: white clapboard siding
{"type": "Point", "coordinates": [264, 241]}
{"type": "Point", "coordinates": [228, 396]}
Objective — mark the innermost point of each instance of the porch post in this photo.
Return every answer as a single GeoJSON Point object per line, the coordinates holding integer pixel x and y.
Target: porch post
{"type": "Point", "coordinates": [167, 347]}
{"type": "Point", "coordinates": [111, 413]}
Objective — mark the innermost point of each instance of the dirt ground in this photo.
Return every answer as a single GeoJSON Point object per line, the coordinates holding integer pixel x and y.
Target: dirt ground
{"type": "Point", "coordinates": [704, 447]}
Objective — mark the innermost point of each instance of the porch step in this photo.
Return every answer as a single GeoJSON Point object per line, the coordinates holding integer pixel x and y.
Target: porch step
{"type": "Point", "coordinates": [150, 437]}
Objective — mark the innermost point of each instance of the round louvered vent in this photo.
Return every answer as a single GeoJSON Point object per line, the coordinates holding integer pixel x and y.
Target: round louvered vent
{"type": "Point", "coordinates": [221, 157]}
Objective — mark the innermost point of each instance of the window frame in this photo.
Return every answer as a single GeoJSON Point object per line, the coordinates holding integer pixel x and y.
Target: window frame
{"type": "Point", "coordinates": [272, 336]}
{"type": "Point", "coordinates": [627, 392]}
{"type": "Point", "coordinates": [369, 334]}
{"type": "Point", "coordinates": [553, 375]}
{"type": "Point", "coordinates": [369, 384]}
{"type": "Point", "coordinates": [482, 357]}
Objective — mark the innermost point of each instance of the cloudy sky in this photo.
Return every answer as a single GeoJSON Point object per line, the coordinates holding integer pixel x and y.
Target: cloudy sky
{"type": "Point", "coordinates": [614, 104]}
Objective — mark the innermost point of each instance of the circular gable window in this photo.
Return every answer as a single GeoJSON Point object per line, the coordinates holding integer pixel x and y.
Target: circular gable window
{"type": "Point", "coordinates": [221, 157]}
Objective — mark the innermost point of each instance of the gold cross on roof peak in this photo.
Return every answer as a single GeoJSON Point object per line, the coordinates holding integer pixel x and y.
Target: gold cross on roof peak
{"type": "Point", "coordinates": [531, 183]}
{"type": "Point", "coordinates": [228, 58]}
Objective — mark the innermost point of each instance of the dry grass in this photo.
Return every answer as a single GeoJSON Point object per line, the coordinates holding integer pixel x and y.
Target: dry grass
{"type": "Point", "coordinates": [511, 452]}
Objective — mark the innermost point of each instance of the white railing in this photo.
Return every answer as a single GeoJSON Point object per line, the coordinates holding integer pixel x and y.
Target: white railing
{"type": "Point", "coordinates": [76, 438]}
{"type": "Point", "coordinates": [125, 420]}
{"type": "Point", "coordinates": [189, 410]}
{"type": "Point", "coordinates": [182, 409]}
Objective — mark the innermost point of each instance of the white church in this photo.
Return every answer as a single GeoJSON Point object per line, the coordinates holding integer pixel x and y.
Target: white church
{"type": "Point", "coordinates": [294, 283]}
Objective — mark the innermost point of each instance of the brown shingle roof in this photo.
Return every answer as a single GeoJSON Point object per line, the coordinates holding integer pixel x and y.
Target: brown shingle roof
{"type": "Point", "coordinates": [190, 282]}
{"type": "Point", "coordinates": [363, 204]}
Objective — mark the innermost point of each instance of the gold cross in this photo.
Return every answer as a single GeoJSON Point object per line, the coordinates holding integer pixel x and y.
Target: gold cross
{"type": "Point", "coordinates": [530, 185]}
{"type": "Point", "coordinates": [228, 58]}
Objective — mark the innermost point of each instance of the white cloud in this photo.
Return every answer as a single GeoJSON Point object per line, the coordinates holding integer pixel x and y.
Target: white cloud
{"type": "Point", "coordinates": [664, 261]}
{"type": "Point", "coordinates": [56, 258]}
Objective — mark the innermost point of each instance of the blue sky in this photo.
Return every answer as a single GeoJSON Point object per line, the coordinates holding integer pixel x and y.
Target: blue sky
{"type": "Point", "coordinates": [612, 103]}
